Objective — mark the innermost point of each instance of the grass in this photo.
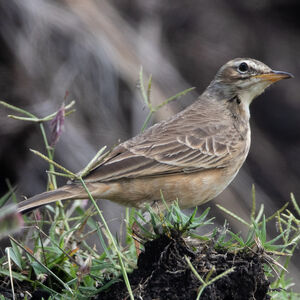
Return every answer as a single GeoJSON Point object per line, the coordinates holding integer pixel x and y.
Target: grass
{"type": "Point", "coordinates": [61, 262]}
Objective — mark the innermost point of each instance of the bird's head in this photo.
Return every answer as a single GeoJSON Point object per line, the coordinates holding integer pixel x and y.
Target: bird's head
{"type": "Point", "coordinates": [246, 78]}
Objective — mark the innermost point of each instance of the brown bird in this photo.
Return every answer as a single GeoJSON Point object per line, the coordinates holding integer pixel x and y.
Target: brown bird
{"type": "Point", "coordinates": [192, 156]}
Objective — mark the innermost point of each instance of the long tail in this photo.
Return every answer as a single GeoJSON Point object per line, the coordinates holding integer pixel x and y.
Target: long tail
{"type": "Point", "coordinates": [66, 192]}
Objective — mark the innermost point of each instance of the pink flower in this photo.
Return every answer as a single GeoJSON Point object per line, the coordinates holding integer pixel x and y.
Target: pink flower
{"type": "Point", "coordinates": [57, 125]}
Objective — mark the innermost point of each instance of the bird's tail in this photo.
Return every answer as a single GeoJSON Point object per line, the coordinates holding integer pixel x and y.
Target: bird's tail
{"type": "Point", "coordinates": [66, 192]}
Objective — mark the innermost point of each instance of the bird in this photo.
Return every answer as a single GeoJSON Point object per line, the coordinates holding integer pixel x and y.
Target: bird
{"type": "Point", "coordinates": [190, 157]}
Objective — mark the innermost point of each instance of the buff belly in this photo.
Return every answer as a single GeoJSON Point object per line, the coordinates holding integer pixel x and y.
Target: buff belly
{"type": "Point", "coordinates": [190, 189]}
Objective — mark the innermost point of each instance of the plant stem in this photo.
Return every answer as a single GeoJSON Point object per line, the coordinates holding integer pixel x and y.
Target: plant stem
{"type": "Point", "coordinates": [124, 273]}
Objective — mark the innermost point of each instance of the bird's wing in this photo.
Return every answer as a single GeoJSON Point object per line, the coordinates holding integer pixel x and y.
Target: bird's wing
{"type": "Point", "coordinates": [170, 147]}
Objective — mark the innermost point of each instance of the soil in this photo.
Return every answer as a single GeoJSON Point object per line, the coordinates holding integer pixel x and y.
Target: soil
{"type": "Point", "coordinates": [163, 273]}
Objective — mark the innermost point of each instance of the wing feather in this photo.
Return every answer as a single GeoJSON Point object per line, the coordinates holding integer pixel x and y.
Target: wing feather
{"type": "Point", "coordinates": [181, 144]}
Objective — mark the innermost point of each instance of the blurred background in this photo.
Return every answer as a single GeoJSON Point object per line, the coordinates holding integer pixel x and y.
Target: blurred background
{"type": "Point", "coordinates": [94, 50]}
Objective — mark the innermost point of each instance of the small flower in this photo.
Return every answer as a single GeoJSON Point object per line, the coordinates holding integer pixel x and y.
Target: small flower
{"type": "Point", "coordinates": [42, 277]}
{"type": "Point", "coordinates": [57, 125]}
{"type": "Point", "coordinates": [37, 215]}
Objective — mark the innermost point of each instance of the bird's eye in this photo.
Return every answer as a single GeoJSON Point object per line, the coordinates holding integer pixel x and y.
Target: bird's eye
{"type": "Point", "coordinates": [243, 67]}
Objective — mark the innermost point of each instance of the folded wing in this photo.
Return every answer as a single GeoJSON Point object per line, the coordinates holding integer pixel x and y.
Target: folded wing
{"type": "Point", "coordinates": [170, 147]}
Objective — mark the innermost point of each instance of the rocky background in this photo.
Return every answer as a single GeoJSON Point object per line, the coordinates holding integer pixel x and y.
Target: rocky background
{"type": "Point", "coordinates": [94, 50]}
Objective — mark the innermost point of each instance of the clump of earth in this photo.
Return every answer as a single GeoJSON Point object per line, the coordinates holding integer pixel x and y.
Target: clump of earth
{"type": "Point", "coordinates": [163, 273]}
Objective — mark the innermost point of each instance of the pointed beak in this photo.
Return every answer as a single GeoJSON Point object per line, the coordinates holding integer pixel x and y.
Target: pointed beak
{"type": "Point", "coordinates": [274, 76]}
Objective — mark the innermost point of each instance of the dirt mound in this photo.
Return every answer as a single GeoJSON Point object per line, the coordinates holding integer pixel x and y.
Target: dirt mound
{"type": "Point", "coordinates": [163, 273]}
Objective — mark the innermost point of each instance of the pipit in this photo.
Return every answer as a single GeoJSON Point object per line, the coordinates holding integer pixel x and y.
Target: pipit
{"type": "Point", "coordinates": [192, 156]}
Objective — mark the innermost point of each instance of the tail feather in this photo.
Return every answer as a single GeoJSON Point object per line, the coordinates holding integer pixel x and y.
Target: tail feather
{"type": "Point", "coordinates": [66, 192]}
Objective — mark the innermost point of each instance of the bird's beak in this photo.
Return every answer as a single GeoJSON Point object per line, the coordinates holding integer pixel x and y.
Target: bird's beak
{"type": "Point", "coordinates": [274, 76]}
